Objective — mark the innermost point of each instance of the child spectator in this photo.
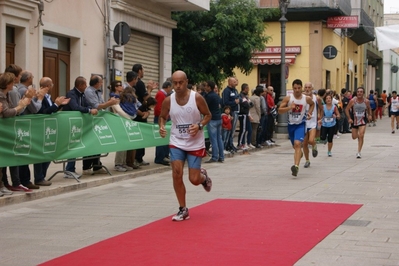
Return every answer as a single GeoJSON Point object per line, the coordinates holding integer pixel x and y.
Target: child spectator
{"type": "Point", "coordinates": [226, 128]}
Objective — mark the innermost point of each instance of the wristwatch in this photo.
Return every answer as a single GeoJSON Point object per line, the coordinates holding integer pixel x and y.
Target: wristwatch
{"type": "Point", "coordinates": [200, 126]}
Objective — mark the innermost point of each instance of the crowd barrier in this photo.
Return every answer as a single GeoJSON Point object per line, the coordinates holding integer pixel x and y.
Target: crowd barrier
{"type": "Point", "coordinates": [38, 138]}
{"type": "Point", "coordinates": [30, 139]}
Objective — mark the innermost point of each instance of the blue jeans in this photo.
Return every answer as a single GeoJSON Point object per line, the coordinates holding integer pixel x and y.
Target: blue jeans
{"type": "Point", "coordinates": [70, 167]}
{"type": "Point", "coordinates": [226, 138]}
{"type": "Point", "coordinates": [215, 136]}
{"type": "Point", "coordinates": [260, 137]}
{"type": "Point", "coordinates": [40, 171]}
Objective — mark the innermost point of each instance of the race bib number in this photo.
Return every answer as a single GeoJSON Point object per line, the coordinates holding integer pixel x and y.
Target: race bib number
{"type": "Point", "coordinates": [296, 112]}
{"type": "Point", "coordinates": [182, 131]}
{"type": "Point", "coordinates": [359, 114]}
{"type": "Point", "coordinates": [328, 119]}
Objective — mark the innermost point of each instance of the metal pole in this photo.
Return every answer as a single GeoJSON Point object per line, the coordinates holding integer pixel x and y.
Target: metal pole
{"type": "Point", "coordinates": [282, 126]}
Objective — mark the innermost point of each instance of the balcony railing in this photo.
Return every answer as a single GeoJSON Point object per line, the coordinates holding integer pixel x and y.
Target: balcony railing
{"type": "Point", "coordinates": [365, 32]}
{"type": "Point", "coordinates": [343, 5]}
{"type": "Point", "coordinates": [311, 10]}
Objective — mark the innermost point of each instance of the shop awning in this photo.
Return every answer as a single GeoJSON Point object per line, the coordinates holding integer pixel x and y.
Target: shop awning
{"type": "Point", "coordinates": [272, 59]}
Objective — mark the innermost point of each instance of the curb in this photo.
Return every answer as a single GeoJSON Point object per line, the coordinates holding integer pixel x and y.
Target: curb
{"type": "Point", "coordinates": [70, 185]}
{"type": "Point", "coordinates": [57, 189]}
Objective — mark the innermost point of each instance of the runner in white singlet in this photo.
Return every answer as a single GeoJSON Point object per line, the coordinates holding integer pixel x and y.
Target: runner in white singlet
{"type": "Point", "coordinates": [394, 111]}
{"type": "Point", "coordinates": [295, 106]}
{"type": "Point", "coordinates": [311, 124]}
{"type": "Point", "coordinates": [187, 142]}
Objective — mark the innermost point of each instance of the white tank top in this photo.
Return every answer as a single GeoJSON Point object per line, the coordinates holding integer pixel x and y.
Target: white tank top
{"type": "Point", "coordinates": [394, 104]}
{"type": "Point", "coordinates": [312, 122]}
{"type": "Point", "coordinates": [296, 115]}
{"type": "Point", "coordinates": [182, 117]}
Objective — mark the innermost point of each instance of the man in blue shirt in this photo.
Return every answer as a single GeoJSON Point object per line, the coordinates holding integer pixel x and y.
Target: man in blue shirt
{"type": "Point", "coordinates": [215, 125]}
{"type": "Point", "coordinates": [230, 97]}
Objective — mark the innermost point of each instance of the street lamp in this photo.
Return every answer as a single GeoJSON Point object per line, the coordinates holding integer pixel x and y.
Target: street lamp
{"type": "Point", "coordinates": [283, 118]}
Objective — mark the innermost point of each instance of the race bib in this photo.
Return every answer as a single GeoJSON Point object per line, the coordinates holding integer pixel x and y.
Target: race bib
{"type": "Point", "coordinates": [328, 119]}
{"type": "Point", "coordinates": [182, 131]}
{"type": "Point", "coordinates": [359, 114]}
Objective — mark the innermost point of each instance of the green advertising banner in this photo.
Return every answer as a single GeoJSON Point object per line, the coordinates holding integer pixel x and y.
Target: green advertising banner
{"type": "Point", "coordinates": [38, 138]}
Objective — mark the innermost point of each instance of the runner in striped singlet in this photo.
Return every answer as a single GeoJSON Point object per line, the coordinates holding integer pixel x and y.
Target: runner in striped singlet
{"type": "Point", "coordinates": [359, 117]}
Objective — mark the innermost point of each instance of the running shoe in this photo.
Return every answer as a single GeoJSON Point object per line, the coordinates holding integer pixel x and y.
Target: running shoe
{"type": "Point", "coordinates": [358, 155]}
{"type": "Point", "coordinates": [128, 168]}
{"type": "Point", "coordinates": [269, 143]}
{"type": "Point", "coordinates": [120, 168]}
{"type": "Point", "coordinates": [20, 188]}
{"type": "Point", "coordinates": [397, 126]}
{"type": "Point", "coordinates": [307, 164]}
{"type": "Point", "coordinates": [314, 151]}
{"type": "Point", "coordinates": [329, 154]}
{"type": "Point", "coordinates": [294, 170]}
{"type": "Point", "coordinates": [72, 175]}
{"type": "Point", "coordinates": [181, 215]}
{"type": "Point", "coordinates": [393, 131]}
{"type": "Point", "coordinates": [208, 182]}
{"type": "Point", "coordinates": [5, 191]}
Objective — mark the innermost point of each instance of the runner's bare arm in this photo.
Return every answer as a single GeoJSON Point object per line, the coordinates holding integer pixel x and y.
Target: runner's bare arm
{"type": "Point", "coordinates": [311, 106]}
{"type": "Point", "coordinates": [284, 106]}
{"type": "Point", "coordinates": [164, 117]}
{"type": "Point", "coordinates": [350, 104]}
{"type": "Point", "coordinates": [337, 115]}
{"type": "Point", "coordinates": [319, 108]}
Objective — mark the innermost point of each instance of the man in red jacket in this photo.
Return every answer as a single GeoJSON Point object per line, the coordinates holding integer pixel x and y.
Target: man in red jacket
{"type": "Point", "coordinates": [270, 119]}
{"type": "Point", "coordinates": [161, 152]}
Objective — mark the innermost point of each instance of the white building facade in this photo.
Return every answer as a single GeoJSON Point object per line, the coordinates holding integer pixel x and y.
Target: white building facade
{"type": "Point", "coordinates": [391, 60]}
{"type": "Point", "coordinates": [70, 38]}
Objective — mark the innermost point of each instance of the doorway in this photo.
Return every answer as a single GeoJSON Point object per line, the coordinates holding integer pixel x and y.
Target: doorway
{"type": "Point", "coordinates": [56, 63]}
{"type": "Point", "coordinates": [270, 75]}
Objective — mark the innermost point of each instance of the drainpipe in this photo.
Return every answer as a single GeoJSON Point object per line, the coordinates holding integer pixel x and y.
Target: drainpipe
{"type": "Point", "coordinates": [107, 21]}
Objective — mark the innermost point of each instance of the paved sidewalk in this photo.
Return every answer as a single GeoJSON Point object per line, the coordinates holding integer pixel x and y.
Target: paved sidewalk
{"type": "Point", "coordinates": [35, 231]}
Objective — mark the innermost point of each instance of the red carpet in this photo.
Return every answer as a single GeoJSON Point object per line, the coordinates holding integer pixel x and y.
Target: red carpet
{"type": "Point", "coordinates": [221, 232]}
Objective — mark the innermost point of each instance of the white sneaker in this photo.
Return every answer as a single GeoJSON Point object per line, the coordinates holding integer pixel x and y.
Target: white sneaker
{"type": "Point", "coordinates": [251, 146]}
{"type": "Point", "coordinates": [128, 168]}
{"type": "Point", "coordinates": [269, 143]}
{"type": "Point", "coordinates": [358, 155]}
{"type": "Point", "coordinates": [5, 191]}
{"type": "Point", "coordinates": [121, 168]}
{"type": "Point", "coordinates": [73, 175]}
